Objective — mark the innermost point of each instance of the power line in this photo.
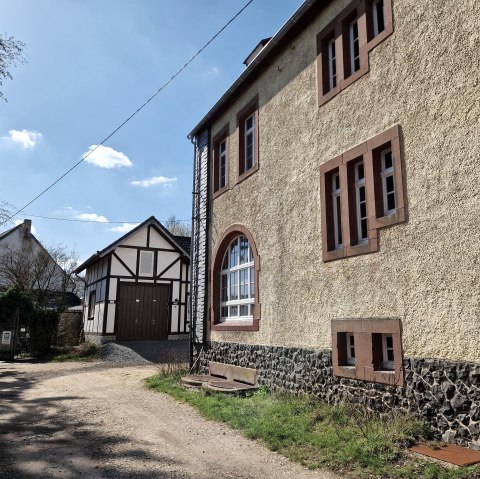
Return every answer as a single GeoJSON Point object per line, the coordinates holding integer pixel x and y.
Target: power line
{"type": "Point", "coordinates": [131, 116]}
{"type": "Point", "coordinates": [92, 221]}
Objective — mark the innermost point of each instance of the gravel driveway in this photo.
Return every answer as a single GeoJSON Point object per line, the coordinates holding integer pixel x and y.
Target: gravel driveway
{"type": "Point", "coordinates": [96, 420]}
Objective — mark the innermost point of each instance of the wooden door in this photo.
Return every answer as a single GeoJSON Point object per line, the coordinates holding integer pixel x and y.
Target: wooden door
{"type": "Point", "coordinates": [142, 312]}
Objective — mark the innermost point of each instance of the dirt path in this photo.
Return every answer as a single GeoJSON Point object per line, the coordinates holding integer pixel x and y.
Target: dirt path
{"type": "Point", "coordinates": [94, 421]}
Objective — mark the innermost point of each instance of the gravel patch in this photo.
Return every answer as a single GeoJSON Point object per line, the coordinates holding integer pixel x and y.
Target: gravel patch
{"type": "Point", "coordinates": [119, 354]}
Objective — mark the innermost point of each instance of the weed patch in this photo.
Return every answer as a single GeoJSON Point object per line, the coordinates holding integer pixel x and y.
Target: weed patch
{"type": "Point", "coordinates": [316, 434]}
{"type": "Point", "coordinates": [84, 352]}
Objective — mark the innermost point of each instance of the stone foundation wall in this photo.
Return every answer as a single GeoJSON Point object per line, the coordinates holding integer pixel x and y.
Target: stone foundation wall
{"type": "Point", "coordinates": [445, 393]}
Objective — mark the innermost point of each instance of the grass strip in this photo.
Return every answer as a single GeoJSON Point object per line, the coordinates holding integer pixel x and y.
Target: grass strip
{"type": "Point", "coordinates": [340, 437]}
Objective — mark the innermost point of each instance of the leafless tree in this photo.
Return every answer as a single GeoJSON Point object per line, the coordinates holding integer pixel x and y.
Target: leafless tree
{"type": "Point", "coordinates": [41, 273]}
{"type": "Point", "coordinates": [11, 53]}
{"type": "Point", "coordinates": [176, 227]}
{"type": "Point", "coordinates": [5, 210]}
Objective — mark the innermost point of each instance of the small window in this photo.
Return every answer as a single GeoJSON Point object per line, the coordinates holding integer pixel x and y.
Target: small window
{"type": "Point", "coordinates": [361, 203]}
{"type": "Point", "coordinates": [146, 263]}
{"type": "Point", "coordinates": [249, 159]}
{"type": "Point", "coordinates": [337, 211]}
{"type": "Point", "coordinates": [378, 11]}
{"type": "Point", "coordinates": [220, 162]}
{"type": "Point", "coordinates": [91, 305]}
{"type": "Point", "coordinates": [332, 64]}
{"type": "Point", "coordinates": [388, 182]}
{"type": "Point", "coordinates": [354, 47]}
{"type": "Point", "coordinates": [248, 140]}
{"type": "Point", "coordinates": [388, 352]}
{"type": "Point", "coordinates": [350, 349]}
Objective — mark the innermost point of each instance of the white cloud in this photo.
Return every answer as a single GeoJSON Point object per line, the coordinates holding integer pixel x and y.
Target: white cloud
{"type": "Point", "coordinates": [25, 138]}
{"type": "Point", "coordinates": [19, 222]}
{"type": "Point", "coordinates": [123, 228]}
{"type": "Point", "coordinates": [91, 217]}
{"type": "Point", "coordinates": [154, 180]}
{"type": "Point", "coordinates": [106, 157]}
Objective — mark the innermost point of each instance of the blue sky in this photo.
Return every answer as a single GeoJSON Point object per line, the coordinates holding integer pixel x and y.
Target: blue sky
{"type": "Point", "coordinates": [91, 63]}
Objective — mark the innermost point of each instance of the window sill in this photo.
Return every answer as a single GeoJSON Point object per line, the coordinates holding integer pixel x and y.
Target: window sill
{"type": "Point", "coordinates": [247, 173]}
{"type": "Point", "coordinates": [219, 192]}
{"type": "Point", "coordinates": [236, 325]}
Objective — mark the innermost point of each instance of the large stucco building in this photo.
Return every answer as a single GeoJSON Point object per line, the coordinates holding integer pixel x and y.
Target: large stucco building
{"type": "Point", "coordinates": [336, 236]}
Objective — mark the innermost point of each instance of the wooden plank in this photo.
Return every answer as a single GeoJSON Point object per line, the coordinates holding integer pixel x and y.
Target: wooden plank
{"type": "Point", "coordinates": [460, 456]}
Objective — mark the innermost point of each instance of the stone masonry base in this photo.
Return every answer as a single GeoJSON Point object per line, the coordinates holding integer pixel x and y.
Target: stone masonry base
{"type": "Point", "coordinates": [445, 393]}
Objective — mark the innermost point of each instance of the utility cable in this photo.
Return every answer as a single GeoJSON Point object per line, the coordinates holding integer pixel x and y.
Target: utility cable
{"type": "Point", "coordinates": [92, 221]}
{"type": "Point", "coordinates": [131, 116]}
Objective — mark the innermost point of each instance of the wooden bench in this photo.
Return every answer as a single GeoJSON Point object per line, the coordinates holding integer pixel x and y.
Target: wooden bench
{"type": "Point", "coordinates": [225, 378]}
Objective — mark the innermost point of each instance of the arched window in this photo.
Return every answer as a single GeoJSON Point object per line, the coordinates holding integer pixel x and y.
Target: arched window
{"type": "Point", "coordinates": [237, 281]}
{"type": "Point", "coordinates": [234, 282]}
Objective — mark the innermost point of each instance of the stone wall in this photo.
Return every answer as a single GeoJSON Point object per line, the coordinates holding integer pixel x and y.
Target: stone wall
{"type": "Point", "coordinates": [445, 393]}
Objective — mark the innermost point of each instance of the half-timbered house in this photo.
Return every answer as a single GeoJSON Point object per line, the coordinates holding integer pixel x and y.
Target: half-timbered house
{"type": "Point", "coordinates": [137, 287]}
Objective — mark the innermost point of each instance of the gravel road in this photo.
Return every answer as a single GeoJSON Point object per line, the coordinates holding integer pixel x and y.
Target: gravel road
{"type": "Point", "coordinates": [97, 420]}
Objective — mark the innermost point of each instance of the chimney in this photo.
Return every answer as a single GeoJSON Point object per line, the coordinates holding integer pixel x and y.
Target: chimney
{"type": "Point", "coordinates": [256, 51]}
{"type": "Point", "coordinates": [27, 228]}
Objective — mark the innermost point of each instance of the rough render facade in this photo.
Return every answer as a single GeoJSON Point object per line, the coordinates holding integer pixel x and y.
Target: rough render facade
{"type": "Point", "coordinates": [424, 78]}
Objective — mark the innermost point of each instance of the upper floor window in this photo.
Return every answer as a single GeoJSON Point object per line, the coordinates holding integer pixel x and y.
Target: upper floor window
{"type": "Point", "coordinates": [344, 44]}
{"type": "Point", "coordinates": [378, 12]}
{"type": "Point", "coordinates": [248, 139]}
{"type": "Point", "coordinates": [220, 162]}
{"type": "Point", "coordinates": [145, 267]}
{"type": "Point", "coordinates": [367, 182]}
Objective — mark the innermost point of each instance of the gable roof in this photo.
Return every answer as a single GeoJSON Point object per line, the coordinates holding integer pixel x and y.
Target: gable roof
{"type": "Point", "coordinates": [305, 14]}
{"type": "Point", "coordinates": [11, 230]}
{"type": "Point", "coordinates": [173, 240]}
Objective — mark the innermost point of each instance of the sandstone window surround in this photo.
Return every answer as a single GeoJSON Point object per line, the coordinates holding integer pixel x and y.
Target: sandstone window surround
{"type": "Point", "coordinates": [220, 164]}
{"type": "Point", "coordinates": [91, 304]}
{"type": "Point", "coordinates": [248, 141]}
{"type": "Point", "coordinates": [378, 355]}
{"type": "Point", "coordinates": [361, 192]}
{"type": "Point", "coordinates": [344, 44]}
{"type": "Point", "coordinates": [234, 283]}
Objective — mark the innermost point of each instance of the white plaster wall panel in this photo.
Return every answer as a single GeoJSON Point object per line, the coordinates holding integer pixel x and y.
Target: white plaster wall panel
{"type": "Point", "coordinates": [112, 292]}
{"type": "Point", "coordinates": [129, 257]}
{"type": "Point", "coordinates": [157, 241]}
{"type": "Point", "coordinates": [128, 280]}
{"type": "Point", "coordinates": [175, 291]}
{"type": "Point", "coordinates": [147, 280]}
{"type": "Point", "coordinates": [111, 318]}
{"type": "Point", "coordinates": [137, 239]}
{"type": "Point", "coordinates": [426, 270]}
{"type": "Point", "coordinates": [165, 258]}
{"type": "Point", "coordinates": [98, 326]}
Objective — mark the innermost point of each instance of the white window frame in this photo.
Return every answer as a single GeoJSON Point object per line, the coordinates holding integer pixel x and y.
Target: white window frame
{"type": "Point", "coordinates": [360, 183]}
{"type": "Point", "coordinates": [222, 158]}
{"type": "Point", "coordinates": [337, 228]}
{"type": "Point", "coordinates": [249, 266]}
{"type": "Point", "coordinates": [386, 364]}
{"type": "Point", "coordinates": [350, 358]}
{"type": "Point", "coordinates": [387, 173]}
{"type": "Point", "coordinates": [247, 133]}
{"type": "Point", "coordinates": [146, 253]}
{"type": "Point", "coordinates": [375, 16]}
{"type": "Point", "coordinates": [332, 64]}
{"type": "Point", "coordinates": [352, 47]}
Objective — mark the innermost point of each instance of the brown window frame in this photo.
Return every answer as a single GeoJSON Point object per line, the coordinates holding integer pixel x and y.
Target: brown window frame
{"type": "Point", "coordinates": [91, 311]}
{"type": "Point", "coordinates": [251, 108]}
{"type": "Point", "coordinates": [339, 28]}
{"type": "Point", "coordinates": [368, 152]}
{"type": "Point", "coordinates": [215, 324]}
{"type": "Point", "coordinates": [222, 135]}
{"type": "Point", "coordinates": [368, 335]}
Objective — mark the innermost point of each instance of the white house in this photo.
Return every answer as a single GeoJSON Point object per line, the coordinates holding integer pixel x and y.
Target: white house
{"type": "Point", "coordinates": [137, 288]}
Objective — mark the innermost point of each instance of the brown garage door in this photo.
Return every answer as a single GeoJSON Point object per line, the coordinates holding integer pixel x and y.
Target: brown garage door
{"type": "Point", "coordinates": [142, 312]}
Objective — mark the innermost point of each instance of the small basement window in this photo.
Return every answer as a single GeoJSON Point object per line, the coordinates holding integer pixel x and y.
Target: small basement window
{"type": "Point", "coordinates": [388, 352]}
{"type": "Point", "coordinates": [350, 349]}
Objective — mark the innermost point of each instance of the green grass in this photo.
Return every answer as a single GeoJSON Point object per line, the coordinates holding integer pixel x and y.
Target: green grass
{"type": "Point", "coordinates": [82, 353]}
{"type": "Point", "coordinates": [319, 435]}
